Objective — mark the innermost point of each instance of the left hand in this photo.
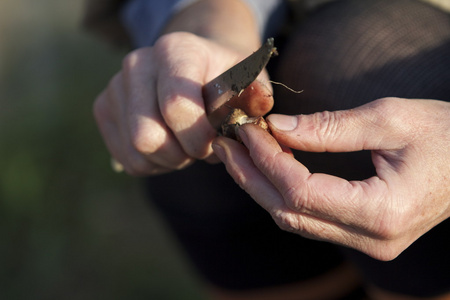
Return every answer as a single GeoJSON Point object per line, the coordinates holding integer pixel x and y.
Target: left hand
{"type": "Point", "coordinates": [152, 115]}
{"type": "Point", "coordinates": [380, 216]}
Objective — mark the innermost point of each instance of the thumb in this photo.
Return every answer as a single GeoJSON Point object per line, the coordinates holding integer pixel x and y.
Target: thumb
{"type": "Point", "coordinates": [374, 126]}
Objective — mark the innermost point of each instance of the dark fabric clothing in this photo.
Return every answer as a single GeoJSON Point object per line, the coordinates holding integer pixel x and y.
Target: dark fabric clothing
{"type": "Point", "coordinates": [422, 270]}
{"type": "Point", "coordinates": [233, 242]}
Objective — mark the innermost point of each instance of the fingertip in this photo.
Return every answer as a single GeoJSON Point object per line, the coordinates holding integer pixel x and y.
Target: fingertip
{"type": "Point", "coordinates": [219, 152]}
{"type": "Point", "coordinates": [257, 140]}
{"type": "Point", "coordinates": [279, 122]}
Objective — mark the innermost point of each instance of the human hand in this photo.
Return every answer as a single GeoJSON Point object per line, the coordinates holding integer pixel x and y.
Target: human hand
{"type": "Point", "coordinates": [152, 115]}
{"type": "Point", "coordinates": [380, 216]}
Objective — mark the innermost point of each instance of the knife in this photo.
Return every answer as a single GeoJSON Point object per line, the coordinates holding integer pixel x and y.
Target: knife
{"type": "Point", "coordinates": [232, 82]}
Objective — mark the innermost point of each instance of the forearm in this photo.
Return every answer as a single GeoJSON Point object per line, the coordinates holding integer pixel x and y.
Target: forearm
{"type": "Point", "coordinates": [229, 22]}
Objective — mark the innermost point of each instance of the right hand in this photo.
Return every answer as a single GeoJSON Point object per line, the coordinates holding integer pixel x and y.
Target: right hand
{"type": "Point", "coordinates": [152, 115]}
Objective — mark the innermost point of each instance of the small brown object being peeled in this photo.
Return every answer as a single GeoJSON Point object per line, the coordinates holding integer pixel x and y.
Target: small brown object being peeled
{"type": "Point", "coordinates": [236, 118]}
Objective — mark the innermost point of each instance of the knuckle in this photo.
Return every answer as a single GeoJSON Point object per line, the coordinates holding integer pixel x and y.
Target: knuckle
{"type": "Point", "coordinates": [381, 108]}
{"type": "Point", "coordinates": [240, 179]}
{"type": "Point", "coordinates": [146, 135]}
{"type": "Point", "coordinates": [170, 40]}
{"type": "Point", "coordinates": [387, 103]}
{"type": "Point", "coordinates": [188, 125]}
{"type": "Point", "coordinates": [396, 220]}
{"type": "Point", "coordinates": [130, 60]}
{"type": "Point", "coordinates": [143, 145]}
{"type": "Point", "coordinates": [294, 199]}
{"type": "Point", "coordinates": [390, 229]}
{"type": "Point", "coordinates": [387, 232]}
{"type": "Point", "coordinates": [135, 58]}
{"type": "Point", "coordinates": [286, 221]}
{"type": "Point", "coordinates": [328, 124]}
{"type": "Point", "coordinates": [391, 252]}
{"type": "Point", "coordinates": [178, 112]}
{"type": "Point", "coordinates": [390, 113]}
{"type": "Point", "coordinates": [144, 141]}
{"type": "Point", "coordinates": [165, 42]}
{"type": "Point", "coordinates": [172, 106]}
{"type": "Point", "coordinates": [153, 142]}
{"type": "Point", "coordinates": [385, 251]}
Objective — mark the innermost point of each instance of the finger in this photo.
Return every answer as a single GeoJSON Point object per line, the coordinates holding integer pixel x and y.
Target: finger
{"type": "Point", "coordinates": [181, 104]}
{"type": "Point", "coordinates": [123, 153]}
{"type": "Point", "coordinates": [107, 110]}
{"type": "Point", "coordinates": [179, 87]}
{"type": "Point", "coordinates": [242, 168]}
{"type": "Point", "coordinates": [374, 126]}
{"type": "Point", "coordinates": [143, 128]}
{"type": "Point", "coordinates": [155, 143]}
{"type": "Point", "coordinates": [120, 112]}
{"type": "Point", "coordinates": [323, 196]}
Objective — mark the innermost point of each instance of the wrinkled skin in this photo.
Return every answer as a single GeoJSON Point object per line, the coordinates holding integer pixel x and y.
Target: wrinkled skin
{"type": "Point", "coordinates": [380, 216]}
{"type": "Point", "coordinates": [152, 115]}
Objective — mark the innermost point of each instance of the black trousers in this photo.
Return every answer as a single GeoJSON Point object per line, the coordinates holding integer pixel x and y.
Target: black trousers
{"type": "Point", "coordinates": [343, 55]}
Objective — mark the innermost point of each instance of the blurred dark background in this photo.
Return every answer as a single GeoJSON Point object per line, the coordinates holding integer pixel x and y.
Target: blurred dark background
{"type": "Point", "coordinates": [70, 228]}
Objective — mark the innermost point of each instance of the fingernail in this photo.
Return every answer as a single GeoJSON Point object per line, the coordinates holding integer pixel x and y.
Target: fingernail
{"type": "Point", "coordinates": [243, 136]}
{"type": "Point", "coordinates": [220, 152]}
{"type": "Point", "coordinates": [283, 122]}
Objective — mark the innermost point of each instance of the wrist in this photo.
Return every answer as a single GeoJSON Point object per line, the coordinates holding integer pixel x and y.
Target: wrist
{"type": "Point", "coordinates": [227, 22]}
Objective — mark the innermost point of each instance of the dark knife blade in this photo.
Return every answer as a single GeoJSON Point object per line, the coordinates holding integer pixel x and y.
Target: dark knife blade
{"type": "Point", "coordinates": [232, 82]}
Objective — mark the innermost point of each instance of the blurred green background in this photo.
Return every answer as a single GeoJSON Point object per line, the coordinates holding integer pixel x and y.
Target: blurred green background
{"type": "Point", "coordinates": [70, 228]}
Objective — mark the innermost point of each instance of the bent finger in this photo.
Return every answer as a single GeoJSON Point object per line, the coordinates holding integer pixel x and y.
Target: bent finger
{"type": "Point", "coordinates": [320, 195]}
{"type": "Point", "coordinates": [241, 167]}
{"type": "Point", "coordinates": [144, 128]}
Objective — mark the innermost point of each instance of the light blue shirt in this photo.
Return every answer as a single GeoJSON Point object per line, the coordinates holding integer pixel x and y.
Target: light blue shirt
{"type": "Point", "coordinates": [144, 19]}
